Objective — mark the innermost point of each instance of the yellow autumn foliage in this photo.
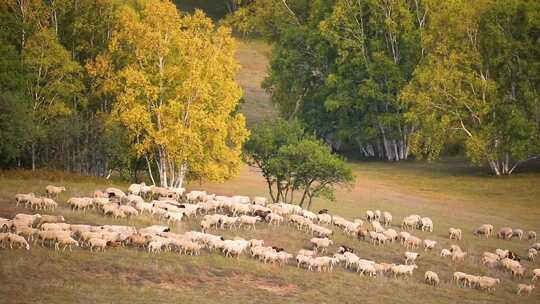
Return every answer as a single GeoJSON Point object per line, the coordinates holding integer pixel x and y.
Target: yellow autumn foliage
{"type": "Point", "coordinates": [173, 84]}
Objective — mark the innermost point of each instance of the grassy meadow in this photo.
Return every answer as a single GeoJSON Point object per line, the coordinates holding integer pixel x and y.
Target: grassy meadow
{"type": "Point", "coordinates": [450, 192]}
{"type": "Point", "coordinates": [127, 275]}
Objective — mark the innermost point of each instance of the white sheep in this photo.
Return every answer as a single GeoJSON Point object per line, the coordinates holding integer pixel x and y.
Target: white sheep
{"type": "Point", "coordinates": [17, 240]}
{"type": "Point", "coordinates": [525, 288]}
{"type": "Point", "coordinates": [531, 235]}
{"type": "Point", "coordinates": [531, 254]}
{"type": "Point", "coordinates": [367, 266]}
{"type": "Point", "coordinates": [324, 218]}
{"type": "Point", "coordinates": [445, 253]}
{"type": "Point", "coordinates": [429, 244]}
{"type": "Point", "coordinates": [391, 234]}
{"type": "Point", "coordinates": [426, 224]}
{"type": "Point", "coordinates": [517, 233]}
{"type": "Point", "coordinates": [413, 242]}
{"type": "Point", "coordinates": [431, 278]}
{"type": "Point", "coordinates": [274, 219]}
{"type": "Point", "coordinates": [411, 257]}
{"type": "Point", "coordinates": [248, 220]}
{"type": "Point", "coordinates": [404, 270]}
{"type": "Point", "coordinates": [386, 218]}
{"type": "Point", "coordinates": [505, 233]}
{"type": "Point", "coordinates": [322, 243]}
{"type": "Point", "coordinates": [536, 274]}
{"type": "Point", "coordinates": [501, 253]}
{"type": "Point", "coordinates": [370, 216]}
{"type": "Point", "coordinates": [53, 190]}
{"type": "Point", "coordinates": [303, 260]}
{"type": "Point", "coordinates": [23, 198]}
{"type": "Point", "coordinates": [66, 242]}
{"type": "Point", "coordinates": [454, 233]}
{"type": "Point", "coordinates": [409, 222]}
{"type": "Point", "coordinates": [99, 244]}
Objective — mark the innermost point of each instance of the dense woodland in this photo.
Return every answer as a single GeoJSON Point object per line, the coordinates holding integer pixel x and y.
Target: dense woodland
{"type": "Point", "coordinates": [101, 86]}
{"type": "Point", "coordinates": [395, 79]}
{"type": "Point", "coordinates": [97, 86]}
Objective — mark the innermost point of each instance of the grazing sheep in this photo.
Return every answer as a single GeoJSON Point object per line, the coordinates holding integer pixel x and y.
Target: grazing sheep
{"type": "Point", "coordinates": [536, 246]}
{"type": "Point", "coordinates": [5, 224]}
{"type": "Point", "coordinates": [518, 271]}
{"type": "Point", "coordinates": [411, 257]}
{"type": "Point", "coordinates": [426, 224]}
{"type": "Point", "coordinates": [249, 220]}
{"type": "Point", "coordinates": [382, 268]}
{"type": "Point", "coordinates": [413, 242]}
{"type": "Point", "coordinates": [487, 283]}
{"type": "Point", "coordinates": [429, 244]}
{"type": "Point", "coordinates": [445, 253]}
{"type": "Point", "coordinates": [485, 229]}
{"type": "Point", "coordinates": [80, 203]}
{"type": "Point", "coordinates": [531, 235]}
{"type": "Point", "coordinates": [536, 274]}
{"type": "Point", "coordinates": [532, 253]}
{"type": "Point", "coordinates": [53, 190]}
{"type": "Point", "coordinates": [377, 226]}
{"type": "Point", "coordinates": [405, 270]}
{"type": "Point", "coordinates": [322, 243]}
{"type": "Point", "coordinates": [517, 233]}
{"type": "Point", "coordinates": [455, 248]}
{"type": "Point", "coordinates": [114, 192]}
{"type": "Point", "coordinates": [386, 218]}
{"type": "Point", "coordinates": [454, 234]}
{"type": "Point", "coordinates": [324, 218]}
{"type": "Point", "coordinates": [403, 236]}
{"type": "Point", "coordinates": [306, 252]}
{"type": "Point", "coordinates": [431, 278]}
{"type": "Point", "coordinates": [320, 231]}
{"type": "Point", "coordinates": [23, 198]}
{"type": "Point", "coordinates": [51, 219]}
{"type": "Point", "coordinates": [22, 219]}
{"type": "Point", "coordinates": [409, 222]}
{"type": "Point", "coordinates": [505, 233]}
{"type": "Point", "coordinates": [502, 253]}
{"type": "Point", "coordinates": [66, 242]}
{"type": "Point", "coordinates": [366, 266]}
{"type": "Point", "coordinates": [525, 288]}
{"type": "Point", "coordinates": [391, 234]}
{"type": "Point", "coordinates": [370, 216]}
{"type": "Point", "coordinates": [136, 188]}
{"type": "Point", "coordinates": [17, 240]}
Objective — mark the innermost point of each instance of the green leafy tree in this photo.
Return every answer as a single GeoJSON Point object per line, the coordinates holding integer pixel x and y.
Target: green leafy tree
{"type": "Point", "coordinates": [478, 82]}
{"type": "Point", "coordinates": [53, 83]}
{"type": "Point", "coordinates": [292, 161]}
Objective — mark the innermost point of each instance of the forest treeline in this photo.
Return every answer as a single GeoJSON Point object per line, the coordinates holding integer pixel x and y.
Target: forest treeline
{"type": "Point", "coordinates": [391, 79]}
{"type": "Point", "coordinates": [96, 86]}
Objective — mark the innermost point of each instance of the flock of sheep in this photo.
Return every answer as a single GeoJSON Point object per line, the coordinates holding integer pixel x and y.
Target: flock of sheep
{"type": "Point", "coordinates": [236, 212]}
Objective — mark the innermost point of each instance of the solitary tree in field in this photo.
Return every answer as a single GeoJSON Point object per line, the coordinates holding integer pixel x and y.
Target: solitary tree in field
{"type": "Point", "coordinates": [292, 161]}
{"type": "Point", "coordinates": [172, 78]}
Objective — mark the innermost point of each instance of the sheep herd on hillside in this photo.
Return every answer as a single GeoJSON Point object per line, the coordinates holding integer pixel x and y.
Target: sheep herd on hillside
{"type": "Point", "coordinates": [242, 212]}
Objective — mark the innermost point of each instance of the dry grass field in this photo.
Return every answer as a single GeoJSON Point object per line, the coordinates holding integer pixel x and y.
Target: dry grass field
{"type": "Point", "coordinates": [127, 275]}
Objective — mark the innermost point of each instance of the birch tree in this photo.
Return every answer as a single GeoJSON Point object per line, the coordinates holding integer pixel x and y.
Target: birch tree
{"type": "Point", "coordinates": [478, 83]}
{"type": "Point", "coordinates": [172, 78]}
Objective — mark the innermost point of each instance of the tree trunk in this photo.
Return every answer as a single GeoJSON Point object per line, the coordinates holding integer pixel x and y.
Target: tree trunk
{"type": "Point", "coordinates": [33, 156]}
